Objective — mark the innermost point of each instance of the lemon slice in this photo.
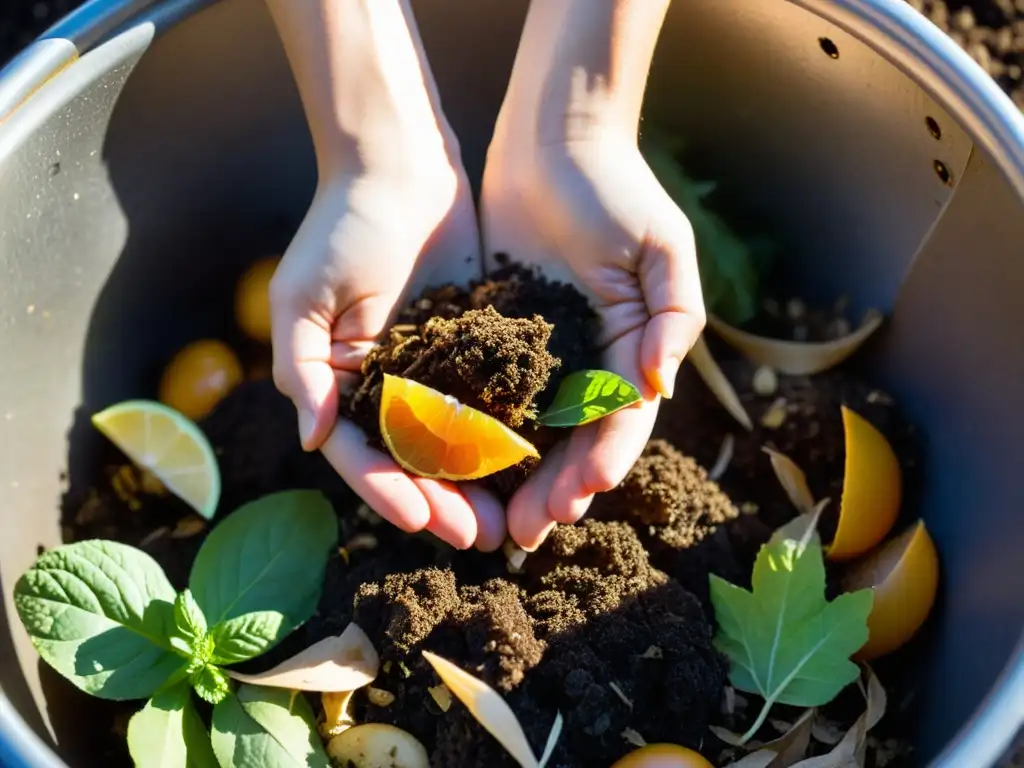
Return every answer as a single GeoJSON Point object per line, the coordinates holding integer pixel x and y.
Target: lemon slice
{"type": "Point", "coordinates": [168, 444]}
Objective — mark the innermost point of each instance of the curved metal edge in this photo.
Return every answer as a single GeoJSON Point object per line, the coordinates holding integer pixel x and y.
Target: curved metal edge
{"type": "Point", "coordinates": [30, 69]}
{"type": "Point", "coordinates": [20, 746]}
{"type": "Point", "coordinates": [97, 21]}
{"type": "Point", "coordinates": [949, 75]}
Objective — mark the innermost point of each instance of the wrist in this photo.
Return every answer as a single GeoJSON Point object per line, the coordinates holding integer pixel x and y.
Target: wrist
{"type": "Point", "coordinates": [581, 70]}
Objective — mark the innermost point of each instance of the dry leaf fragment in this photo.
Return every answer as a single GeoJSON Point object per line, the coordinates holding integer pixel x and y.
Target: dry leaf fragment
{"type": "Point", "coordinates": [775, 416]}
{"type": "Point", "coordinates": [441, 696]}
{"type": "Point", "coordinates": [653, 652]}
{"type": "Point", "coordinates": [792, 479]}
{"type": "Point", "coordinates": [796, 358]}
{"type": "Point", "coordinates": [633, 737]}
{"type": "Point", "coordinates": [339, 713]}
{"type": "Point", "coordinates": [725, 454]}
{"type": "Point", "coordinates": [188, 526]}
{"type": "Point", "coordinates": [760, 759]}
{"type": "Point", "coordinates": [379, 697]}
{"type": "Point", "coordinates": [826, 731]}
{"type": "Point", "coordinates": [490, 710]}
{"type": "Point", "coordinates": [783, 751]}
{"type": "Point", "coordinates": [729, 737]}
{"type": "Point", "coordinates": [335, 664]}
{"type": "Point", "coordinates": [621, 694]}
{"type": "Point", "coordinates": [851, 750]}
{"type": "Point", "coordinates": [717, 382]}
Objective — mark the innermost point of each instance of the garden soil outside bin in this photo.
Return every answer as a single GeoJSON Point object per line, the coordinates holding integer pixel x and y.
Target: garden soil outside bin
{"type": "Point", "coordinates": [149, 149]}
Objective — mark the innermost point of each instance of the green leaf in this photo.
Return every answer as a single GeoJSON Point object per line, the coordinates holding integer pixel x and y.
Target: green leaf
{"type": "Point", "coordinates": [168, 733]}
{"type": "Point", "coordinates": [586, 396]}
{"type": "Point", "coordinates": [100, 613]}
{"type": "Point", "coordinates": [784, 640]}
{"type": "Point", "coordinates": [260, 727]}
{"type": "Point", "coordinates": [246, 637]}
{"type": "Point", "coordinates": [188, 616]}
{"type": "Point", "coordinates": [209, 681]}
{"type": "Point", "coordinates": [729, 266]}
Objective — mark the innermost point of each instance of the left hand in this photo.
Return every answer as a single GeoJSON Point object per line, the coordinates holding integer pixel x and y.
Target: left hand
{"type": "Point", "coordinates": [593, 214]}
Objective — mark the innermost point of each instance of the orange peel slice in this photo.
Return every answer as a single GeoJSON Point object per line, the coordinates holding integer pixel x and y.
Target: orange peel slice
{"type": "Point", "coordinates": [904, 574]}
{"type": "Point", "coordinates": [431, 434]}
{"type": "Point", "coordinates": [872, 490]}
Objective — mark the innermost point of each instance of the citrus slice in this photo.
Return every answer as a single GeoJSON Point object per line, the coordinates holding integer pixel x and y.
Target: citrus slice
{"type": "Point", "coordinates": [872, 490]}
{"type": "Point", "coordinates": [165, 442]}
{"type": "Point", "coordinates": [434, 435]}
{"type": "Point", "coordinates": [904, 574]}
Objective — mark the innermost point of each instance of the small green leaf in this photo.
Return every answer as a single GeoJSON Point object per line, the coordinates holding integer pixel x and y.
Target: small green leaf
{"type": "Point", "coordinates": [168, 733]}
{"type": "Point", "coordinates": [210, 682]}
{"type": "Point", "coordinates": [246, 637]}
{"type": "Point", "coordinates": [188, 616]}
{"type": "Point", "coordinates": [100, 613]}
{"type": "Point", "coordinates": [586, 396]}
{"type": "Point", "coordinates": [784, 640]}
{"type": "Point", "coordinates": [260, 727]}
{"type": "Point", "coordinates": [267, 556]}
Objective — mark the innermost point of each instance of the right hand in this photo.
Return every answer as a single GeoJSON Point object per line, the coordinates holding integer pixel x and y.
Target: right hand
{"type": "Point", "coordinates": [368, 242]}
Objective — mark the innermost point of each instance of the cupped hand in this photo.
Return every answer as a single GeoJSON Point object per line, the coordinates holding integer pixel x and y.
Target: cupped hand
{"type": "Point", "coordinates": [592, 213]}
{"type": "Point", "coordinates": [368, 242]}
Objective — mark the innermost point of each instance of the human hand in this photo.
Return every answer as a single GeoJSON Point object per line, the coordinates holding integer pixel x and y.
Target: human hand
{"type": "Point", "coordinates": [593, 214]}
{"type": "Point", "coordinates": [366, 244]}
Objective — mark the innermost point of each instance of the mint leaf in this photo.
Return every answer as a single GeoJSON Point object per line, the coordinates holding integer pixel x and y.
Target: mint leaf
{"type": "Point", "coordinates": [209, 681]}
{"type": "Point", "coordinates": [246, 637]}
{"type": "Point", "coordinates": [168, 733]}
{"type": "Point", "coordinates": [261, 727]}
{"type": "Point", "coordinates": [188, 616]}
{"type": "Point", "coordinates": [729, 267]}
{"type": "Point", "coordinates": [100, 613]}
{"type": "Point", "coordinates": [586, 396]}
{"type": "Point", "coordinates": [784, 640]}
{"type": "Point", "coordinates": [267, 556]}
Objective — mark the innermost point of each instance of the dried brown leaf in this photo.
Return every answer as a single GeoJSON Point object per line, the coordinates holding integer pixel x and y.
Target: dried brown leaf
{"type": "Point", "coordinates": [717, 382]}
{"type": "Point", "coordinates": [792, 479]}
{"type": "Point", "coordinates": [784, 751]}
{"type": "Point", "coordinates": [796, 358]}
{"type": "Point", "coordinates": [850, 752]}
{"type": "Point", "coordinates": [335, 664]}
{"type": "Point", "coordinates": [760, 759]}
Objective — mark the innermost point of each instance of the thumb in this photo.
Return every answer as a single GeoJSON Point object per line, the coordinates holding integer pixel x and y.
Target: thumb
{"type": "Point", "coordinates": [670, 282]}
{"type": "Point", "coordinates": [302, 371]}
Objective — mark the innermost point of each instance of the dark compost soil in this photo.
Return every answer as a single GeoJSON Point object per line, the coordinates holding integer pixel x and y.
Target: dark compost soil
{"type": "Point", "coordinates": [608, 623]}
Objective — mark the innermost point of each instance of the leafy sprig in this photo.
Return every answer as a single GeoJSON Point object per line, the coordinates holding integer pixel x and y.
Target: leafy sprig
{"type": "Point", "coordinates": [104, 616]}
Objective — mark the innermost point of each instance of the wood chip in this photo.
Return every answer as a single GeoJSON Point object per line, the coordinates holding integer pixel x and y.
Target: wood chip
{"type": "Point", "coordinates": [441, 696]}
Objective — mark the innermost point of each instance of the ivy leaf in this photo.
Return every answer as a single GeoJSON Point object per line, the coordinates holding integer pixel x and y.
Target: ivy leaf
{"type": "Point", "coordinates": [168, 733]}
{"type": "Point", "coordinates": [267, 556]}
{"type": "Point", "coordinates": [586, 396]}
{"type": "Point", "coordinates": [246, 637]}
{"type": "Point", "coordinates": [100, 614]}
{"type": "Point", "coordinates": [260, 727]}
{"type": "Point", "coordinates": [784, 640]}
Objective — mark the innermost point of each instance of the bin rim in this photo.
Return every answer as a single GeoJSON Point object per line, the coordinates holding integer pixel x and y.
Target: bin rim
{"type": "Point", "coordinates": [891, 28]}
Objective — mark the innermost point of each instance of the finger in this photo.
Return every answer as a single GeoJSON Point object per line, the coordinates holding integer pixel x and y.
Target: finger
{"type": "Point", "coordinates": [490, 517]}
{"type": "Point", "coordinates": [599, 455]}
{"type": "Point", "coordinates": [302, 350]}
{"type": "Point", "coordinates": [451, 518]}
{"type": "Point", "coordinates": [670, 282]}
{"type": "Point", "coordinates": [376, 478]}
{"type": "Point", "coordinates": [528, 520]}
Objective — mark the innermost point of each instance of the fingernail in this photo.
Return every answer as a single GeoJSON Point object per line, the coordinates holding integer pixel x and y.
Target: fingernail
{"type": "Point", "coordinates": [665, 377]}
{"type": "Point", "coordinates": [307, 423]}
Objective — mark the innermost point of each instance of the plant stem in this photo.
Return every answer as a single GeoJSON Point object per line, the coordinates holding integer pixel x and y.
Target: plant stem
{"type": "Point", "coordinates": [761, 717]}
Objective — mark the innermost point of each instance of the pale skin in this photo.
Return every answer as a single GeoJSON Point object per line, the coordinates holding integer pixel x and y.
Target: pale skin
{"type": "Point", "coordinates": [393, 204]}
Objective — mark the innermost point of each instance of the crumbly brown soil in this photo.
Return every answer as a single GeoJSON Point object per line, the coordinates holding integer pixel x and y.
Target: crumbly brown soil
{"type": "Point", "coordinates": [502, 347]}
{"type": "Point", "coordinates": [608, 623]}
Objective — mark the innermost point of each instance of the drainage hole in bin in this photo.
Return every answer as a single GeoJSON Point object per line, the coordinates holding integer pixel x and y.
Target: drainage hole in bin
{"type": "Point", "coordinates": [944, 174]}
{"type": "Point", "coordinates": [830, 48]}
{"type": "Point", "coordinates": [933, 127]}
